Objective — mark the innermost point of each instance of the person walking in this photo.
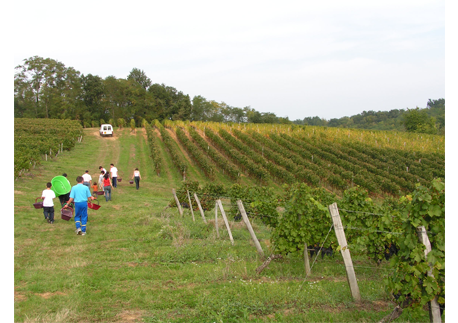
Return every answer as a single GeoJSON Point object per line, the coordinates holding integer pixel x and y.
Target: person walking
{"type": "Point", "coordinates": [101, 168]}
{"type": "Point", "coordinates": [102, 173]}
{"type": "Point", "coordinates": [114, 175]}
{"type": "Point", "coordinates": [87, 178]}
{"type": "Point", "coordinates": [107, 187]}
{"type": "Point", "coordinates": [95, 188]}
{"type": "Point", "coordinates": [64, 197]}
{"type": "Point", "coordinates": [48, 205]}
{"type": "Point", "coordinates": [136, 177]}
{"type": "Point", "coordinates": [79, 195]}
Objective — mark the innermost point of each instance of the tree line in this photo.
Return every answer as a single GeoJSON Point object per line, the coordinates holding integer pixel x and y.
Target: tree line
{"type": "Point", "coordinates": [428, 120]}
{"type": "Point", "coordinates": [46, 88]}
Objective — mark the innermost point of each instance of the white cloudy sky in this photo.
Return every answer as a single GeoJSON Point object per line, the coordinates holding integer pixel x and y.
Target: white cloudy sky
{"type": "Point", "coordinates": [293, 58]}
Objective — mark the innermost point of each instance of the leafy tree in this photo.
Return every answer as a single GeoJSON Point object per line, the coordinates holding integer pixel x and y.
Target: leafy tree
{"type": "Point", "coordinates": [315, 121]}
{"type": "Point", "coordinates": [437, 109]}
{"type": "Point", "coordinates": [140, 78]}
{"type": "Point", "coordinates": [418, 121]}
{"type": "Point", "coordinates": [199, 106]}
{"type": "Point", "coordinates": [93, 91]}
{"type": "Point", "coordinates": [253, 116]}
{"type": "Point", "coordinates": [44, 87]}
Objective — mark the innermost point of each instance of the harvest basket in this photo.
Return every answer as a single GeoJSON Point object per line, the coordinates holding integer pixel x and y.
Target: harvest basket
{"type": "Point", "coordinates": [66, 214]}
{"type": "Point", "coordinates": [100, 192]}
{"type": "Point", "coordinates": [38, 205]}
{"type": "Point", "coordinates": [93, 206]}
{"type": "Point", "coordinates": [131, 182]}
{"type": "Point", "coordinates": [120, 177]}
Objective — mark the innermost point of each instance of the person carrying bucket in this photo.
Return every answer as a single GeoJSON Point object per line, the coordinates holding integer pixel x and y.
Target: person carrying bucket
{"type": "Point", "coordinates": [137, 177]}
{"type": "Point", "coordinates": [79, 195]}
{"type": "Point", "coordinates": [48, 205]}
{"type": "Point", "coordinates": [114, 175]}
{"type": "Point", "coordinates": [64, 186]}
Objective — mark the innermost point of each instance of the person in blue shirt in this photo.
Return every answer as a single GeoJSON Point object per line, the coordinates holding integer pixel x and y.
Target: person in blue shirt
{"type": "Point", "coordinates": [79, 195]}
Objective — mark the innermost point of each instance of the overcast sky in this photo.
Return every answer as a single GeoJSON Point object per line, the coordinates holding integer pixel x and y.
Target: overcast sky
{"type": "Point", "coordinates": [293, 58]}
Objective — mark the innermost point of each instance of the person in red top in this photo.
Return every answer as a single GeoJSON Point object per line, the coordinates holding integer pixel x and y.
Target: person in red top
{"type": "Point", "coordinates": [107, 187]}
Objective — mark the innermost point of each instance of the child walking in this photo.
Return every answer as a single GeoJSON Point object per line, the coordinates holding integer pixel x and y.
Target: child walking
{"type": "Point", "coordinates": [95, 188]}
{"type": "Point", "coordinates": [48, 205]}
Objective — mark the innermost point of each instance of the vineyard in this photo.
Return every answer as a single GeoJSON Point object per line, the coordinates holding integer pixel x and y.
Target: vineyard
{"type": "Point", "coordinates": [36, 139]}
{"type": "Point", "coordinates": [387, 186]}
{"type": "Point", "coordinates": [386, 190]}
{"type": "Point", "coordinates": [383, 163]}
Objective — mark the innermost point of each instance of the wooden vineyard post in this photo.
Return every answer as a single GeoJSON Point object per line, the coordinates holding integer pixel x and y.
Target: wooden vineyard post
{"type": "Point", "coordinates": [216, 219]}
{"type": "Point", "coordinates": [177, 201]}
{"type": "Point", "coordinates": [434, 310]}
{"type": "Point", "coordinates": [340, 234]}
{"type": "Point", "coordinates": [200, 208]}
{"type": "Point", "coordinates": [225, 220]}
{"type": "Point", "coordinates": [250, 228]}
{"type": "Point", "coordinates": [306, 261]}
{"type": "Point", "coordinates": [190, 206]}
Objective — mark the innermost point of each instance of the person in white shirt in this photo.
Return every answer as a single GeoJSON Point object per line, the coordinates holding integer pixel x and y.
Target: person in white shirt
{"type": "Point", "coordinates": [137, 177]}
{"type": "Point", "coordinates": [102, 173]}
{"type": "Point", "coordinates": [87, 178]}
{"type": "Point", "coordinates": [48, 204]}
{"type": "Point", "coordinates": [101, 168]}
{"type": "Point", "coordinates": [114, 175]}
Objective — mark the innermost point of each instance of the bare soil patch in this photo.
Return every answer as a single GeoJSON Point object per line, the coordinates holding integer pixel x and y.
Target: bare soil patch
{"type": "Point", "coordinates": [49, 295]}
{"type": "Point", "coordinates": [130, 316]}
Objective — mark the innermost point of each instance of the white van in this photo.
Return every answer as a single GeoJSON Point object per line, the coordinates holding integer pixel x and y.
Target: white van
{"type": "Point", "coordinates": [106, 130]}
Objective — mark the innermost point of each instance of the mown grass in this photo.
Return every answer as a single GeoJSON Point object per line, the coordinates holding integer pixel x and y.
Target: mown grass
{"type": "Point", "coordinates": [142, 262]}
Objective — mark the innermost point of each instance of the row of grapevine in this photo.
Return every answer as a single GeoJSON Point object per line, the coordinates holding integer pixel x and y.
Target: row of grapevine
{"type": "Point", "coordinates": [327, 172]}
{"type": "Point", "coordinates": [387, 230]}
{"type": "Point", "coordinates": [360, 171]}
{"type": "Point", "coordinates": [253, 169]}
{"type": "Point", "coordinates": [393, 170]}
{"type": "Point", "coordinates": [282, 169]}
{"type": "Point", "coordinates": [33, 138]}
{"type": "Point", "coordinates": [319, 158]}
{"type": "Point", "coordinates": [423, 167]}
{"type": "Point", "coordinates": [371, 171]}
{"type": "Point", "coordinates": [227, 167]}
{"type": "Point", "coordinates": [154, 148]}
{"type": "Point", "coordinates": [173, 150]}
{"type": "Point", "coordinates": [196, 154]}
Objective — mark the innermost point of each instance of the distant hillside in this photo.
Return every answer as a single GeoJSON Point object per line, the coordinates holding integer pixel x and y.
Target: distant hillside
{"type": "Point", "coordinates": [381, 120]}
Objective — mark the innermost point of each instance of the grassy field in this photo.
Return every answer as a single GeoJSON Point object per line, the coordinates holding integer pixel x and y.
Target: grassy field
{"type": "Point", "coordinates": [141, 262]}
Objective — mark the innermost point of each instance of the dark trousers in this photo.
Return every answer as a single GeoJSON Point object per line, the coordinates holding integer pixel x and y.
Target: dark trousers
{"type": "Point", "coordinates": [48, 211]}
{"type": "Point", "coordinates": [137, 182]}
{"type": "Point", "coordinates": [64, 198]}
{"type": "Point", "coordinates": [114, 180]}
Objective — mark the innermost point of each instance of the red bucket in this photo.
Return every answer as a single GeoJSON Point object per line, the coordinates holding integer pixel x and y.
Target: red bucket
{"type": "Point", "coordinates": [131, 182]}
{"type": "Point", "coordinates": [100, 192]}
{"type": "Point", "coordinates": [93, 206]}
{"type": "Point", "coordinates": [38, 205]}
{"type": "Point", "coordinates": [119, 179]}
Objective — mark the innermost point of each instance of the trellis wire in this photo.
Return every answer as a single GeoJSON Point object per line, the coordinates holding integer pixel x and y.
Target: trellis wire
{"type": "Point", "coordinates": [306, 275]}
